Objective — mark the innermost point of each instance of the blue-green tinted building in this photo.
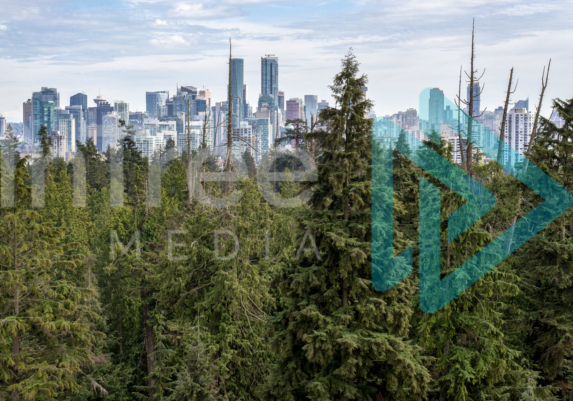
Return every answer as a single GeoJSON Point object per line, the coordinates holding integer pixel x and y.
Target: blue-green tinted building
{"type": "Point", "coordinates": [43, 104]}
{"type": "Point", "coordinates": [237, 82]}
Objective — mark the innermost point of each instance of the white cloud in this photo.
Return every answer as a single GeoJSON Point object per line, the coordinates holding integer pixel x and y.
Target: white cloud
{"type": "Point", "coordinates": [169, 41]}
{"type": "Point", "coordinates": [3, 27]}
{"type": "Point", "coordinates": [160, 22]}
{"type": "Point", "coordinates": [200, 11]}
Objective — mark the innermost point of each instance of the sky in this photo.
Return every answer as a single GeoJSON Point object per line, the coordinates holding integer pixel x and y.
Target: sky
{"type": "Point", "coordinates": [124, 48]}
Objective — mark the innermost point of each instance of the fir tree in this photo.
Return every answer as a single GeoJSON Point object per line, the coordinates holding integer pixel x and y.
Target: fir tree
{"type": "Point", "coordinates": [549, 259]}
{"type": "Point", "coordinates": [335, 336]}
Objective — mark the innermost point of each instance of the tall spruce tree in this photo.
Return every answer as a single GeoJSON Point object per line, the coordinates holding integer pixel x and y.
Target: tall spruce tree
{"type": "Point", "coordinates": [46, 337]}
{"type": "Point", "coordinates": [548, 257]}
{"type": "Point", "coordinates": [336, 337]}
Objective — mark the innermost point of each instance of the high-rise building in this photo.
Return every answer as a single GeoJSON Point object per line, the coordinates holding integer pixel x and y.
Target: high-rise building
{"type": "Point", "coordinates": [237, 82]}
{"type": "Point", "coordinates": [43, 105]}
{"type": "Point", "coordinates": [2, 125]}
{"type": "Point", "coordinates": [77, 111]}
{"type": "Point", "coordinates": [79, 99]}
{"type": "Point", "coordinates": [310, 107]}
{"type": "Point", "coordinates": [205, 94]}
{"type": "Point", "coordinates": [282, 102]}
{"type": "Point", "coordinates": [436, 108]}
{"type": "Point", "coordinates": [121, 108]}
{"type": "Point", "coordinates": [170, 107]}
{"type": "Point", "coordinates": [245, 102]}
{"type": "Point", "coordinates": [27, 121]}
{"type": "Point", "coordinates": [476, 99]}
{"type": "Point", "coordinates": [522, 104]}
{"type": "Point", "coordinates": [155, 103]}
{"type": "Point", "coordinates": [265, 131]}
{"type": "Point", "coordinates": [103, 108]}
{"type": "Point", "coordinates": [111, 133]}
{"type": "Point", "coordinates": [293, 109]}
{"type": "Point", "coordinates": [323, 104]}
{"type": "Point", "coordinates": [65, 124]}
{"type": "Point", "coordinates": [518, 127]}
{"type": "Point", "coordinates": [270, 77]}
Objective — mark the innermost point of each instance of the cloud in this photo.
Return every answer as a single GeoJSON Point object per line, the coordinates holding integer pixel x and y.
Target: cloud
{"type": "Point", "coordinates": [3, 27]}
{"type": "Point", "coordinates": [159, 22]}
{"type": "Point", "coordinates": [199, 11]}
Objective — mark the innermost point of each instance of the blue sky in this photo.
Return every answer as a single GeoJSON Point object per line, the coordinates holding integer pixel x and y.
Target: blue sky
{"type": "Point", "coordinates": [128, 47]}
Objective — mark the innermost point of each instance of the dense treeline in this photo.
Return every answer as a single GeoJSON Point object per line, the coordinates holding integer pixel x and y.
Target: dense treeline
{"type": "Point", "coordinates": [141, 302]}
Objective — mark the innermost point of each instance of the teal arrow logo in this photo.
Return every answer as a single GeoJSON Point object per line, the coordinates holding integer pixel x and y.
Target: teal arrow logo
{"type": "Point", "coordinates": [435, 292]}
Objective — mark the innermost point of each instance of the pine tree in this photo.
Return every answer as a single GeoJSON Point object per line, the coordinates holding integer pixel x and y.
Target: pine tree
{"type": "Point", "coordinates": [45, 141]}
{"type": "Point", "coordinates": [335, 336]}
{"type": "Point", "coordinates": [548, 258]}
{"type": "Point", "coordinates": [45, 332]}
{"type": "Point", "coordinates": [250, 163]}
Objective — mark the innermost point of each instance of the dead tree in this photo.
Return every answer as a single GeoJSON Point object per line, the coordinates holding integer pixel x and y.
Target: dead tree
{"type": "Point", "coordinates": [458, 103]}
{"type": "Point", "coordinates": [544, 79]}
{"type": "Point", "coordinates": [504, 118]}
{"type": "Point", "coordinates": [228, 163]}
{"type": "Point", "coordinates": [473, 82]}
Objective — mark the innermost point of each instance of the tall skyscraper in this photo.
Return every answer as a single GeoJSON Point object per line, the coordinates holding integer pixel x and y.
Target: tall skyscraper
{"type": "Point", "coordinates": [270, 77]}
{"type": "Point", "coordinates": [237, 82]}
{"type": "Point", "coordinates": [518, 127]}
{"type": "Point", "coordinates": [205, 94]}
{"type": "Point", "coordinates": [156, 103]}
{"type": "Point", "coordinates": [245, 102]}
{"type": "Point", "coordinates": [81, 132]}
{"type": "Point", "coordinates": [436, 108]}
{"type": "Point", "coordinates": [293, 109]}
{"type": "Point", "coordinates": [103, 108]}
{"type": "Point", "coordinates": [43, 104]}
{"type": "Point", "coordinates": [311, 107]}
{"type": "Point", "coordinates": [122, 110]}
{"type": "Point", "coordinates": [79, 99]}
{"type": "Point", "coordinates": [282, 102]}
{"type": "Point", "coordinates": [27, 121]}
{"type": "Point", "coordinates": [476, 98]}
{"type": "Point", "coordinates": [65, 124]}
{"type": "Point", "coordinates": [2, 125]}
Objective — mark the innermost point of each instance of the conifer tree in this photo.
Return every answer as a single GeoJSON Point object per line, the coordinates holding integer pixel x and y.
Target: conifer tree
{"type": "Point", "coordinates": [45, 332]}
{"type": "Point", "coordinates": [335, 336]}
{"type": "Point", "coordinates": [548, 258]}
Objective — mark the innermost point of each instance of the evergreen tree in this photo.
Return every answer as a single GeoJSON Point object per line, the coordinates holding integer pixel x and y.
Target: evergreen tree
{"type": "Point", "coordinates": [46, 335]}
{"type": "Point", "coordinates": [250, 163]}
{"type": "Point", "coordinates": [45, 141]}
{"type": "Point", "coordinates": [335, 336]}
{"type": "Point", "coordinates": [548, 258]}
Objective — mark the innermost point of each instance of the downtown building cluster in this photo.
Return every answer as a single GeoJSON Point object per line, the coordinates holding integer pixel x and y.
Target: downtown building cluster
{"type": "Point", "coordinates": [443, 119]}
{"type": "Point", "coordinates": [184, 117]}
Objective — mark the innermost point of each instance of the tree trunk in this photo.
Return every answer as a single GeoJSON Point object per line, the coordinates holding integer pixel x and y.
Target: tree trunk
{"type": "Point", "coordinates": [16, 340]}
{"type": "Point", "coordinates": [148, 339]}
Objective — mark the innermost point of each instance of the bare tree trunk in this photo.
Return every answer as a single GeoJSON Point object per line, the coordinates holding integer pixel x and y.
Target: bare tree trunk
{"type": "Point", "coordinates": [148, 339]}
{"type": "Point", "coordinates": [538, 110]}
{"type": "Point", "coordinates": [190, 172]}
{"type": "Point", "coordinates": [16, 340]}
{"type": "Point", "coordinates": [228, 164]}
{"type": "Point", "coordinates": [502, 129]}
{"type": "Point", "coordinates": [462, 159]}
{"type": "Point", "coordinates": [471, 108]}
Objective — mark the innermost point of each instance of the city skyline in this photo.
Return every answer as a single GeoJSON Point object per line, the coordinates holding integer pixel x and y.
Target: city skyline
{"type": "Point", "coordinates": [157, 45]}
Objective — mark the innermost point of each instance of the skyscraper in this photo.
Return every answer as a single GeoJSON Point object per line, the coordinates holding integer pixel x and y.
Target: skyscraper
{"type": "Point", "coordinates": [155, 103]}
{"type": "Point", "coordinates": [27, 121]}
{"type": "Point", "coordinates": [79, 99]}
{"type": "Point", "coordinates": [81, 132]}
{"type": "Point", "coordinates": [282, 102]}
{"type": "Point", "coordinates": [103, 108]}
{"type": "Point", "coordinates": [43, 104]}
{"type": "Point", "coordinates": [476, 98]}
{"type": "Point", "coordinates": [436, 108]}
{"type": "Point", "coordinates": [245, 102]}
{"type": "Point", "coordinates": [270, 77]}
{"type": "Point", "coordinates": [293, 109]}
{"type": "Point", "coordinates": [311, 107]}
{"type": "Point", "coordinates": [2, 125]}
{"type": "Point", "coordinates": [237, 82]}
{"type": "Point", "coordinates": [65, 124]}
{"type": "Point", "coordinates": [122, 110]}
